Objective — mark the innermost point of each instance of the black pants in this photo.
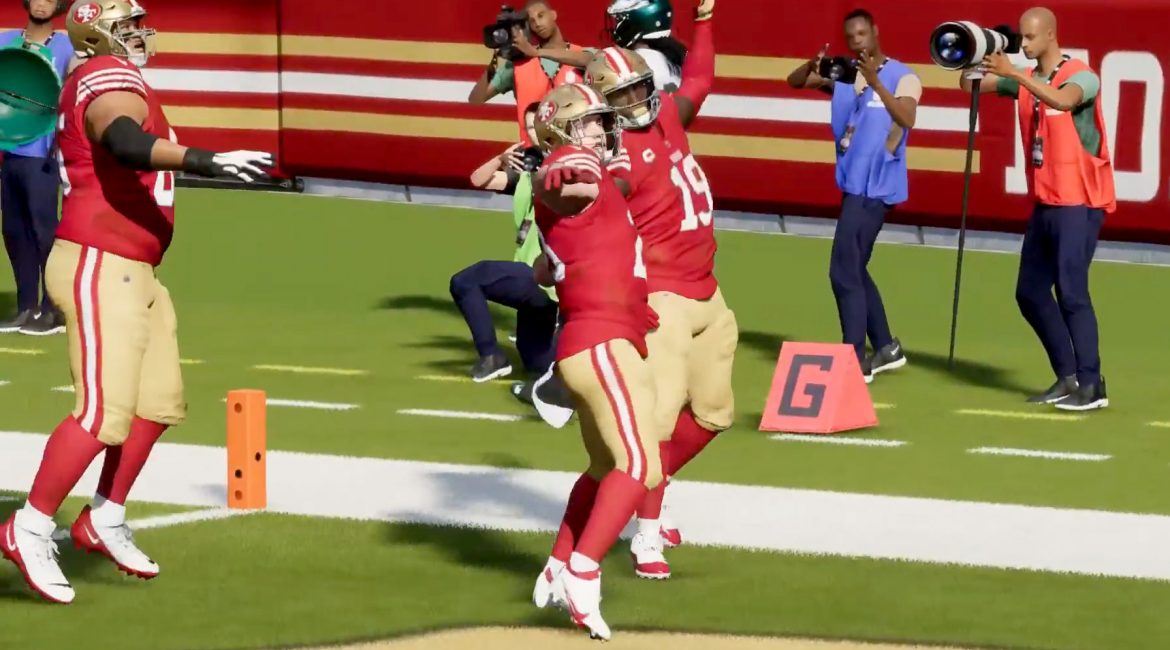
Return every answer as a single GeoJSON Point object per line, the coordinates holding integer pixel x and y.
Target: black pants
{"type": "Point", "coordinates": [1058, 247]}
{"type": "Point", "coordinates": [859, 304]}
{"type": "Point", "coordinates": [511, 284]}
{"type": "Point", "coordinates": [28, 200]}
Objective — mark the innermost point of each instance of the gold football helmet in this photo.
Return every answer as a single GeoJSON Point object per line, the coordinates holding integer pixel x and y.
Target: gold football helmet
{"type": "Point", "coordinates": [561, 116]}
{"type": "Point", "coordinates": [618, 74]}
{"type": "Point", "coordinates": [99, 27]}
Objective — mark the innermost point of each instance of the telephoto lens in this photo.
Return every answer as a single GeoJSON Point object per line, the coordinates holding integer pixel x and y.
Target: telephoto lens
{"type": "Point", "coordinates": [962, 44]}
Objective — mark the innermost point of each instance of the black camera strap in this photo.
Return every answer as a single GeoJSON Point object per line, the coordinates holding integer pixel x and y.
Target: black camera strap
{"type": "Point", "coordinates": [1036, 99]}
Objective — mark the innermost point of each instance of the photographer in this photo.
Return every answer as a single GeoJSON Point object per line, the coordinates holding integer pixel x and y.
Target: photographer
{"type": "Point", "coordinates": [1071, 176]}
{"type": "Point", "coordinates": [874, 107]}
{"type": "Point", "coordinates": [511, 284]}
{"type": "Point", "coordinates": [529, 71]}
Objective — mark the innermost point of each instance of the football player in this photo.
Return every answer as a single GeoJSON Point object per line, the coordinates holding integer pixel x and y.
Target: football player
{"type": "Point", "coordinates": [593, 254]}
{"type": "Point", "coordinates": [693, 348]}
{"type": "Point", "coordinates": [118, 157]}
{"type": "Point", "coordinates": [645, 26]}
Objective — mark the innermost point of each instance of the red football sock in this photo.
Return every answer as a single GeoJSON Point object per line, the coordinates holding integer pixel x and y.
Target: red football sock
{"type": "Point", "coordinates": [68, 454]}
{"type": "Point", "coordinates": [124, 464]}
{"type": "Point", "coordinates": [685, 443]}
{"type": "Point", "coordinates": [617, 498]}
{"type": "Point", "coordinates": [576, 515]}
{"type": "Point", "coordinates": [651, 507]}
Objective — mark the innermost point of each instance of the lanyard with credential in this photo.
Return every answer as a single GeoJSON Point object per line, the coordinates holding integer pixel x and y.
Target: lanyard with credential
{"type": "Point", "coordinates": [858, 107]}
{"type": "Point", "coordinates": [1037, 141]}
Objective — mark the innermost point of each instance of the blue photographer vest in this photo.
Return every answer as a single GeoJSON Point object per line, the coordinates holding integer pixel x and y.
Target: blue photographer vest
{"type": "Point", "coordinates": [867, 168]}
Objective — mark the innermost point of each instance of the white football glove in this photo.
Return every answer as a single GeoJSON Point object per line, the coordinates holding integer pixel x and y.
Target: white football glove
{"type": "Point", "coordinates": [244, 165]}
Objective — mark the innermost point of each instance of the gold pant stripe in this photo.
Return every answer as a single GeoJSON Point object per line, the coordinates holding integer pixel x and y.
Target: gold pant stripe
{"type": "Point", "coordinates": [623, 409]}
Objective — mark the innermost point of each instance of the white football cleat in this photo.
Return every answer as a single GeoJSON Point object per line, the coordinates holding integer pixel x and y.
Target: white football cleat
{"type": "Point", "coordinates": [116, 543]}
{"type": "Point", "coordinates": [35, 553]}
{"type": "Point", "coordinates": [583, 597]}
{"type": "Point", "coordinates": [649, 562]}
{"type": "Point", "coordinates": [550, 590]}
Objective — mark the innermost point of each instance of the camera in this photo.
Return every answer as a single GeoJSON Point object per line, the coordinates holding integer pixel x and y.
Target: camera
{"type": "Point", "coordinates": [838, 68]}
{"type": "Point", "coordinates": [498, 35]}
{"type": "Point", "coordinates": [962, 44]}
{"type": "Point", "coordinates": [533, 157]}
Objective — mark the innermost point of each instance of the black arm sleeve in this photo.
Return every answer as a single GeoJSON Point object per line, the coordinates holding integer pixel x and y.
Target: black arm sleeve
{"type": "Point", "coordinates": [513, 179]}
{"type": "Point", "coordinates": [129, 144]}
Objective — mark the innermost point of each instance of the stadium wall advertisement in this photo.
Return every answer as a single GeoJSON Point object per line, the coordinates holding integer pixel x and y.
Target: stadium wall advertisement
{"type": "Point", "coordinates": [376, 92]}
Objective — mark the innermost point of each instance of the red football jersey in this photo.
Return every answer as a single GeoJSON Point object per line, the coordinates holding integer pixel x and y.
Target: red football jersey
{"type": "Point", "coordinates": [106, 205]}
{"type": "Point", "coordinates": [671, 203]}
{"type": "Point", "coordinates": [596, 253]}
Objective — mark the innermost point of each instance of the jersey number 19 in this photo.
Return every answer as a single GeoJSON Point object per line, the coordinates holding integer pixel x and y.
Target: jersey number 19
{"type": "Point", "coordinates": [689, 178]}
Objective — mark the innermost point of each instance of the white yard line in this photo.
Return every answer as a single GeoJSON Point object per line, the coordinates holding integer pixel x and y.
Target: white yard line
{"type": "Point", "coordinates": [836, 440]}
{"type": "Point", "coordinates": [309, 370]}
{"type": "Point", "coordinates": [460, 379]}
{"type": "Point", "coordinates": [789, 520]}
{"type": "Point", "coordinates": [1163, 425]}
{"type": "Point", "coordinates": [1022, 415]}
{"type": "Point", "coordinates": [166, 521]}
{"type": "Point", "coordinates": [63, 389]}
{"type": "Point", "coordinates": [4, 382]}
{"type": "Point", "coordinates": [1038, 453]}
{"type": "Point", "coordinates": [465, 415]}
{"type": "Point", "coordinates": [21, 351]}
{"type": "Point", "coordinates": [309, 404]}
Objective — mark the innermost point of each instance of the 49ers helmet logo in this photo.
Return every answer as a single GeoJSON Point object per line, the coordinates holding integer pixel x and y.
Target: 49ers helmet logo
{"type": "Point", "coordinates": [547, 111]}
{"type": "Point", "coordinates": [87, 13]}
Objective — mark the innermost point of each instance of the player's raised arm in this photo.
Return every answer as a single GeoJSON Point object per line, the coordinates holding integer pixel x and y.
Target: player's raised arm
{"type": "Point", "coordinates": [115, 118]}
{"type": "Point", "coordinates": [698, 73]}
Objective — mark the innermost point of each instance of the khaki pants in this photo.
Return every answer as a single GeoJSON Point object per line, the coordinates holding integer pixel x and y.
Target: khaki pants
{"type": "Point", "coordinates": [613, 392]}
{"type": "Point", "coordinates": [123, 349]}
{"type": "Point", "coordinates": [691, 355]}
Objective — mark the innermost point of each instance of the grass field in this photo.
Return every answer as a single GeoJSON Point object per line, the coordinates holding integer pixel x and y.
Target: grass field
{"type": "Point", "coordinates": [356, 292]}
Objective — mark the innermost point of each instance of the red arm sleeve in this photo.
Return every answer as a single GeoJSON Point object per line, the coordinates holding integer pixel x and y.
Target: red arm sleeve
{"type": "Point", "coordinates": [698, 73]}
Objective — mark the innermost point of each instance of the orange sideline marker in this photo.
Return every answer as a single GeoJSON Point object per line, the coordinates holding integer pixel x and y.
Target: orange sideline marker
{"type": "Point", "coordinates": [247, 445]}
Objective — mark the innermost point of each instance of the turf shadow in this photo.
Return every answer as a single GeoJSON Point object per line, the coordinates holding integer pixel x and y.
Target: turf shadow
{"type": "Point", "coordinates": [971, 373]}
{"type": "Point", "coordinates": [460, 346]}
{"type": "Point", "coordinates": [766, 344]}
{"type": "Point", "coordinates": [503, 317]}
{"type": "Point", "coordinates": [461, 496]}
{"type": "Point", "coordinates": [7, 304]}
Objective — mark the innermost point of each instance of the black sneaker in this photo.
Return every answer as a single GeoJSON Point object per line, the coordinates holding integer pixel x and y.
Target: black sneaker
{"type": "Point", "coordinates": [890, 357]}
{"type": "Point", "coordinates": [45, 323]}
{"type": "Point", "coordinates": [1061, 390]}
{"type": "Point", "coordinates": [491, 367]}
{"type": "Point", "coordinates": [867, 368]}
{"type": "Point", "coordinates": [1086, 398]}
{"type": "Point", "coordinates": [522, 390]}
{"type": "Point", "coordinates": [15, 323]}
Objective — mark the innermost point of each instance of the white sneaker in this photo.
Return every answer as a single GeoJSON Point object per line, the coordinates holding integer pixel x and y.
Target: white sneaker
{"type": "Point", "coordinates": [116, 543]}
{"type": "Point", "coordinates": [549, 589]}
{"type": "Point", "coordinates": [35, 553]}
{"type": "Point", "coordinates": [583, 597]}
{"type": "Point", "coordinates": [649, 562]}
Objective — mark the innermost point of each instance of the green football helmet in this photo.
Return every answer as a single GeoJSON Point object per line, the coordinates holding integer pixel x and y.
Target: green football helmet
{"type": "Point", "coordinates": [631, 21]}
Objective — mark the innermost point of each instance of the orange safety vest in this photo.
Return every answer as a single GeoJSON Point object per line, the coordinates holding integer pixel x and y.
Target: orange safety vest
{"type": "Point", "coordinates": [531, 84]}
{"type": "Point", "coordinates": [1070, 174]}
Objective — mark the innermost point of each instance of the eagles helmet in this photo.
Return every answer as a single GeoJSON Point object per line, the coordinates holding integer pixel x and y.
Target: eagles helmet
{"type": "Point", "coordinates": [615, 69]}
{"type": "Point", "coordinates": [631, 21]}
{"type": "Point", "coordinates": [97, 28]}
{"type": "Point", "coordinates": [560, 115]}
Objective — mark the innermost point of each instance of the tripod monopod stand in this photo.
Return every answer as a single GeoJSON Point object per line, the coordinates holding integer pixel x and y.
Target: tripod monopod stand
{"type": "Point", "coordinates": [976, 79]}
